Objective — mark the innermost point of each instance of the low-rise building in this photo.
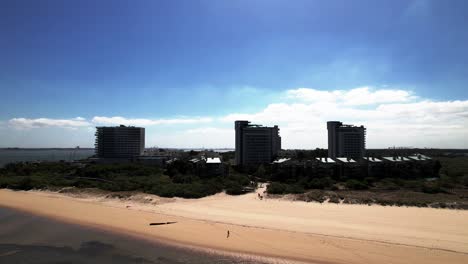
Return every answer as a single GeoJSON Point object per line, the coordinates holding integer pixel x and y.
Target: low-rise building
{"type": "Point", "coordinates": [214, 166]}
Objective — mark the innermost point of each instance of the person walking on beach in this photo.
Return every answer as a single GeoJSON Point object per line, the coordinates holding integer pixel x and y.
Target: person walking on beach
{"type": "Point", "coordinates": [227, 234]}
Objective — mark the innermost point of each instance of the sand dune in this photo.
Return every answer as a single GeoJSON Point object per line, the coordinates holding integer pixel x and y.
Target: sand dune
{"type": "Point", "coordinates": [309, 232]}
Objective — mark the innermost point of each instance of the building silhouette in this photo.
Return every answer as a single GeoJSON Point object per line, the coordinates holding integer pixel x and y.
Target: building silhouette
{"type": "Point", "coordinates": [256, 144]}
{"type": "Point", "coordinates": [120, 142]}
{"type": "Point", "coordinates": [346, 140]}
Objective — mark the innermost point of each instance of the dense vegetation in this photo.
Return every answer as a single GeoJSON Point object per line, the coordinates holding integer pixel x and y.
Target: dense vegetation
{"type": "Point", "coordinates": [177, 180]}
{"type": "Point", "coordinates": [181, 179]}
{"type": "Point", "coordinates": [453, 175]}
{"type": "Point", "coordinates": [449, 190]}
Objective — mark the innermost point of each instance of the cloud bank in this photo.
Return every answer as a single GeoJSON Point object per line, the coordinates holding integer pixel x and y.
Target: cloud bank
{"type": "Point", "coordinates": [357, 96]}
{"type": "Point", "coordinates": [393, 117]}
{"type": "Point", "coordinates": [26, 123]}
{"type": "Point", "coordinates": [118, 120]}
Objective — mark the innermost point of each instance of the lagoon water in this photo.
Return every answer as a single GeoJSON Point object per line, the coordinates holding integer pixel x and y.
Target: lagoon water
{"type": "Point", "coordinates": [17, 155]}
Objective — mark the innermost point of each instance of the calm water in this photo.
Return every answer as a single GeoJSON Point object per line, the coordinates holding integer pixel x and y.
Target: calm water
{"type": "Point", "coordinates": [26, 238]}
{"type": "Point", "coordinates": [16, 155]}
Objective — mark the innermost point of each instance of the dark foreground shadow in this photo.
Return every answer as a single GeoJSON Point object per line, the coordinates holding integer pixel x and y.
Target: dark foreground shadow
{"type": "Point", "coordinates": [89, 252]}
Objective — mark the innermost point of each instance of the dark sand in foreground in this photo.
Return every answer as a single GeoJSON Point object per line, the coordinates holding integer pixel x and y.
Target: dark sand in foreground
{"type": "Point", "coordinates": [27, 238]}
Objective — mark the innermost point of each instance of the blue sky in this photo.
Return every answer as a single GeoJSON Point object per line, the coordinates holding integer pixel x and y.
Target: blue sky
{"type": "Point", "coordinates": [203, 63]}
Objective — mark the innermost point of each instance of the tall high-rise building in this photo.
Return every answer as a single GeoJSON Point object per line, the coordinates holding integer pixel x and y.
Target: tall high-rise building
{"type": "Point", "coordinates": [256, 144]}
{"type": "Point", "coordinates": [346, 140]}
{"type": "Point", "coordinates": [119, 142]}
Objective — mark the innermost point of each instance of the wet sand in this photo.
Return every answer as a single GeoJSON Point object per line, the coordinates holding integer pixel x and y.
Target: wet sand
{"type": "Point", "coordinates": [293, 231]}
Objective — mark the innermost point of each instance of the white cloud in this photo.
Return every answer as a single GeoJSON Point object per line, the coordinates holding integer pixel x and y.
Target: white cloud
{"type": "Point", "coordinates": [356, 96]}
{"type": "Point", "coordinates": [118, 120]}
{"type": "Point", "coordinates": [392, 117]}
{"type": "Point", "coordinates": [26, 123]}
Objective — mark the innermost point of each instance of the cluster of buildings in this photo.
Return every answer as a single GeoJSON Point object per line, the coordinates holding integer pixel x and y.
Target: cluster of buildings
{"type": "Point", "coordinates": [207, 166]}
{"type": "Point", "coordinates": [127, 144]}
{"type": "Point", "coordinates": [257, 144]}
{"type": "Point", "coordinates": [347, 155]}
{"type": "Point", "coordinates": [415, 166]}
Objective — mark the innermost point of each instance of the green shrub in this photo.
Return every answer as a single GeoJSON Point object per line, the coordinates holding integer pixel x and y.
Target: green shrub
{"type": "Point", "coordinates": [388, 184]}
{"type": "Point", "coordinates": [315, 195]}
{"type": "Point", "coordinates": [294, 188]}
{"type": "Point", "coordinates": [334, 199]}
{"type": "Point", "coordinates": [464, 180]}
{"type": "Point", "coordinates": [447, 182]}
{"type": "Point", "coordinates": [357, 185]}
{"type": "Point", "coordinates": [276, 188]}
{"type": "Point", "coordinates": [413, 184]}
{"type": "Point", "coordinates": [320, 183]}
{"type": "Point", "coordinates": [431, 189]}
{"type": "Point", "coordinates": [234, 188]}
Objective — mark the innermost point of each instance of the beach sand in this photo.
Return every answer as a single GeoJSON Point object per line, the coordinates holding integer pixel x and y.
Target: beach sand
{"type": "Point", "coordinates": [277, 228]}
{"type": "Point", "coordinates": [29, 238]}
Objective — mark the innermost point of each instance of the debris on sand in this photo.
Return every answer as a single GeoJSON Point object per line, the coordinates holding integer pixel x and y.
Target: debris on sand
{"type": "Point", "coordinates": [162, 223]}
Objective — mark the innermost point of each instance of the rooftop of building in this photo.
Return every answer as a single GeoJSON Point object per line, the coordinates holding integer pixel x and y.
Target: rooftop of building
{"type": "Point", "coordinates": [419, 157]}
{"type": "Point", "coordinates": [341, 125]}
{"type": "Point", "coordinates": [372, 159]}
{"type": "Point", "coordinates": [119, 126]}
{"type": "Point", "coordinates": [213, 160]}
{"type": "Point", "coordinates": [396, 159]}
{"type": "Point", "coordinates": [281, 160]}
{"type": "Point", "coordinates": [194, 160]}
{"type": "Point", "coordinates": [325, 160]}
{"type": "Point", "coordinates": [249, 125]}
{"type": "Point", "coordinates": [171, 160]}
{"type": "Point", "coordinates": [345, 160]}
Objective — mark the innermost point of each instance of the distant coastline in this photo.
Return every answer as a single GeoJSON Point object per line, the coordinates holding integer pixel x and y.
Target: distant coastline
{"type": "Point", "coordinates": [14, 148]}
{"type": "Point", "coordinates": [90, 148]}
{"type": "Point", "coordinates": [426, 151]}
{"type": "Point", "coordinates": [12, 155]}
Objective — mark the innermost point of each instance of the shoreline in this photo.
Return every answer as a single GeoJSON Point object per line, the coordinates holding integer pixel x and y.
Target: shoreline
{"type": "Point", "coordinates": [181, 244]}
{"type": "Point", "coordinates": [207, 233]}
{"type": "Point", "coordinates": [264, 258]}
{"type": "Point", "coordinates": [25, 236]}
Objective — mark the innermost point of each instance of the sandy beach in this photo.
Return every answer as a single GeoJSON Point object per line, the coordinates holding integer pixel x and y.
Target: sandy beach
{"type": "Point", "coordinates": [276, 228]}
